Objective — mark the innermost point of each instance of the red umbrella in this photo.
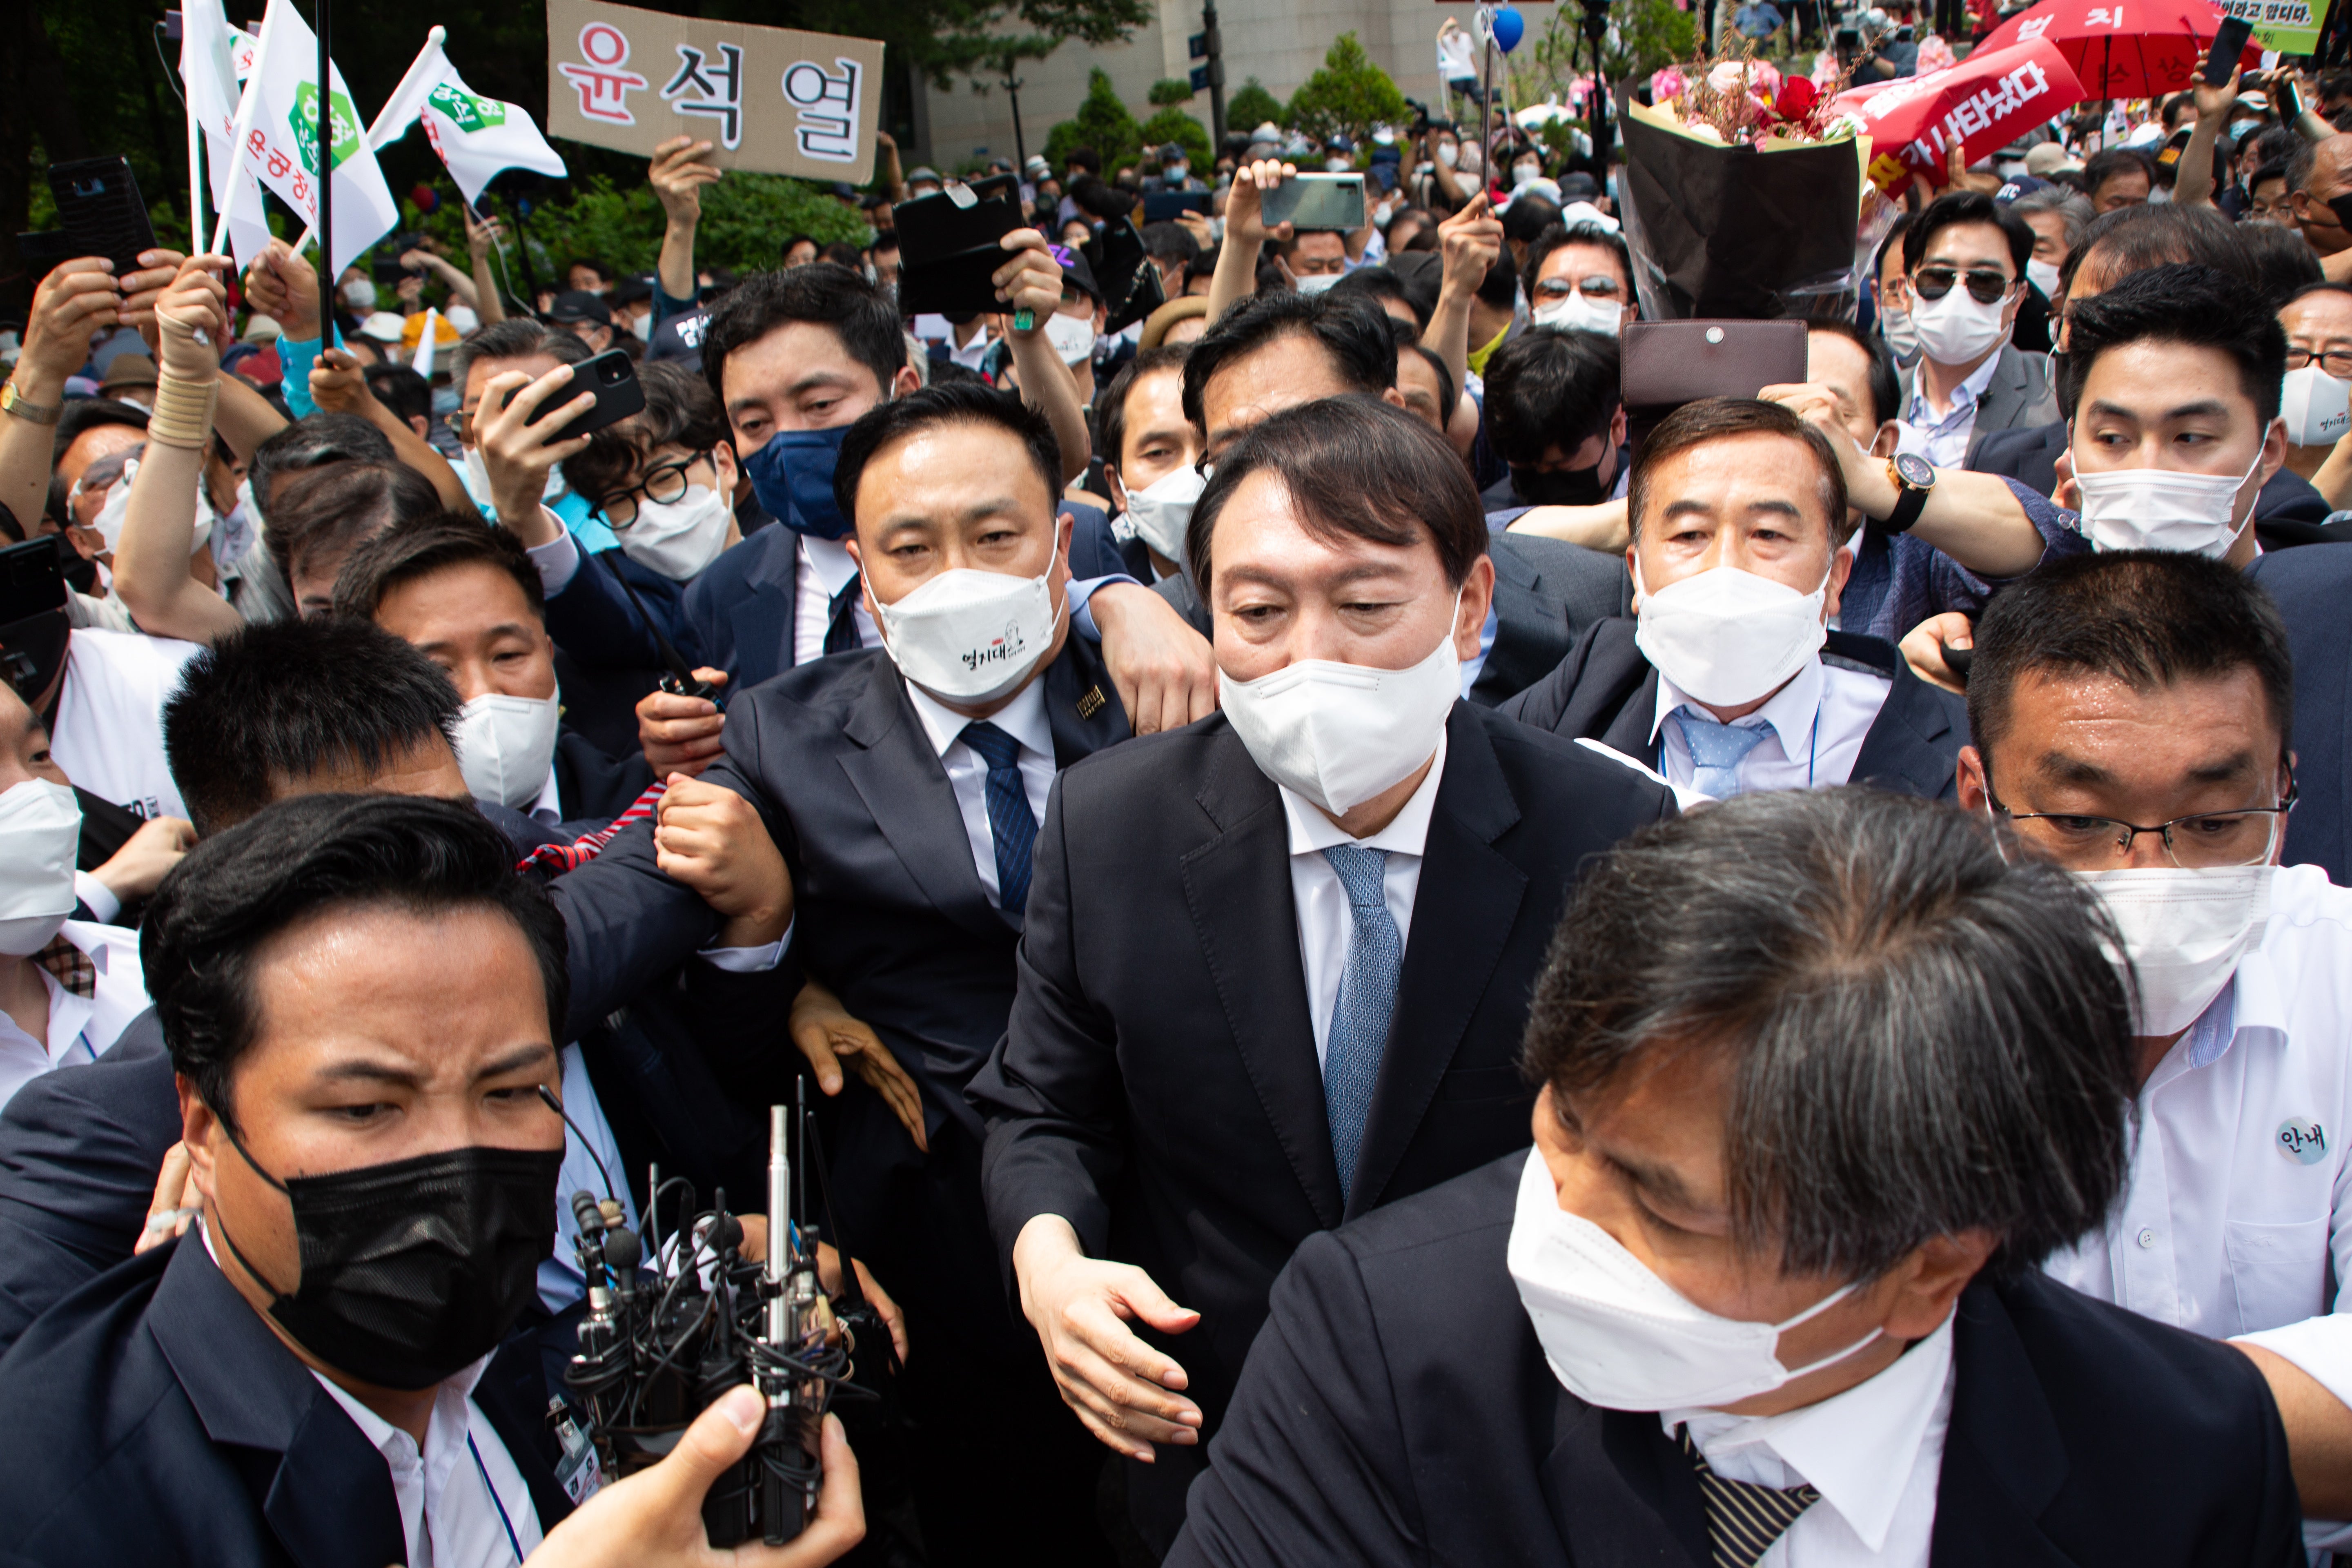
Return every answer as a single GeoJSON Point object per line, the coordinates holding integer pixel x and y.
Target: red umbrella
{"type": "Point", "coordinates": [1982, 103]}
{"type": "Point", "coordinates": [2121, 49]}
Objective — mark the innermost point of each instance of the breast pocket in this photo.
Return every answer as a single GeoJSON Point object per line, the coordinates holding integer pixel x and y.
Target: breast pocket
{"type": "Point", "coordinates": [2279, 1272]}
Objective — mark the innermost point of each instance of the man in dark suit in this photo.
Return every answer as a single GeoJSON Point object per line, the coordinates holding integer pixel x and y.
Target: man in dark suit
{"type": "Point", "coordinates": [193, 1405]}
{"type": "Point", "coordinates": [1199, 1069]}
{"type": "Point", "coordinates": [1729, 679]}
{"type": "Point", "coordinates": [1750, 1289]}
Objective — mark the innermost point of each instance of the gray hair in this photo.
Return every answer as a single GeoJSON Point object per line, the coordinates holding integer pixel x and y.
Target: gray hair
{"type": "Point", "coordinates": [1922, 1038]}
{"type": "Point", "coordinates": [2072, 206]}
{"type": "Point", "coordinates": [517, 337]}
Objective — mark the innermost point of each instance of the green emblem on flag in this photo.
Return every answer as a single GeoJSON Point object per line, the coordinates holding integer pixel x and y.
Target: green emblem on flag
{"type": "Point", "coordinates": [304, 123]}
{"type": "Point", "coordinates": [464, 110]}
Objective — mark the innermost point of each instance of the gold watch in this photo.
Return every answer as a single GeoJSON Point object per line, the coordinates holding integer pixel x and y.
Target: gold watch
{"type": "Point", "coordinates": [14, 402]}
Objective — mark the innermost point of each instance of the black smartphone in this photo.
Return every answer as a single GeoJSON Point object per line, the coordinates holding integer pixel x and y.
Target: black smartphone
{"type": "Point", "coordinates": [2284, 99]}
{"type": "Point", "coordinates": [2228, 43]}
{"type": "Point", "coordinates": [613, 379]}
{"type": "Point", "coordinates": [100, 211]}
{"type": "Point", "coordinates": [1316, 202]}
{"type": "Point", "coordinates": [1162, 207]}
{"type": "Point", "coordinates": [1123, 269]}
{"type": "Point", "coordinates": [949, 247]}
{"type": "Point", "coordinates": [32, 577]}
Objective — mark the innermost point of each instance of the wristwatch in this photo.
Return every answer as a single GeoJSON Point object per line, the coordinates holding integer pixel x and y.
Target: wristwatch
{"type": "Point", "coordinates": [1913, 476]}
{"type": "Point", "coordinates": [14, 402]}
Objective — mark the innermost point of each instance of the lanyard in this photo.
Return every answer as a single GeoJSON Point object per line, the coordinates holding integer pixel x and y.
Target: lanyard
{"type": "Point", "coordinates": [485, 1471]}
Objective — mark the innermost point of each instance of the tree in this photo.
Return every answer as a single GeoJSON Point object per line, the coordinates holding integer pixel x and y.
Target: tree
{"type": "Point", "coordinates": [1645, 36]}
{"type": "Point", "coordinates": [1103, 123]}
{"type": "Point", "coordinates": [1175, 125]}
{"type": "Point", "coordinates": [1347, 96]}
{"type": "Point", "coordinates": [1169, 91]}
{"type": "Point", "coordinates": [1253, 107]}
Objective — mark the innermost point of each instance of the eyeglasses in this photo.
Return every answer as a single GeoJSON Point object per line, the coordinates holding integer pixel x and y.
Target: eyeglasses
{"type": "Point", "coordinates": [662, 484]}
{"type": "Point", "coordinates": [1599, 286]}
{"type": "Point", "coordinates": [2336, 363]}
{"type": "Point", "coordinates": [461, 422]}
{"type": "Point", "coordinates": [2202, 841]}
{"type": "Point", "coordinates": [1985, 283]}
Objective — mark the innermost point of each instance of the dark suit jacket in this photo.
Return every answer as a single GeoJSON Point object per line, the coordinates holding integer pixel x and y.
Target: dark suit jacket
{"type": "Point", "coordinates": [1546, 593]}
{"type": "Point", "coordinates": [158, 1420]}
{"type": "Point", "coordinates": [1158, 1084]}
{"type": "Point", "coordinates": [2312, 586]}
{"type": "Point", "coordinates": [739, 614]}
{"type": "Point", "coordinates": [1606, 692]}
{"type": "Point", "coordinates": [1398, 1410]}
{"type": "Point", "coordinates": [2019, 394]}
{"type": "Point", "coordinates": [590, 784]}
{"type": "Point", "coordinates": [2286, 511]}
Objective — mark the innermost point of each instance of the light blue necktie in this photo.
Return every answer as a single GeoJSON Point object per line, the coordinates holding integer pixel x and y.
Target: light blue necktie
{"type": "Point", "coordinates": [1717, 751]}
{"type": "Point", "coordinates": [1367, 1002]}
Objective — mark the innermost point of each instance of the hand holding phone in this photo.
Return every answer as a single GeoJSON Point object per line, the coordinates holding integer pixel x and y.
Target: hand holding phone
{"type": "Point", "coordinates": [1316, 202]}
{"type": "Point", "coordinates": [2229, 45]}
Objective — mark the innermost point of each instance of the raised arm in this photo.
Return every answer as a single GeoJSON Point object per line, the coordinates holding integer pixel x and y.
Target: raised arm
{"type": "Point", "coordinates": [1246, 234]}
{"type": "Point", "coordinates": [677, 178]}
{"type": "Point", "coordinates": [338, 382]}
{"type": "Point", "coordinates": [460, 286]}
{"type": "Point", "coordinates": [481, 239]}
{"type": "Point", "coordinates": [1470, 243]}
{"type": "Point", "coordinates": [75, 300]}
{"type": "Point", "coordinates": [1030, 279]}
{"type": "Point", "coordinates": [2192, 177]}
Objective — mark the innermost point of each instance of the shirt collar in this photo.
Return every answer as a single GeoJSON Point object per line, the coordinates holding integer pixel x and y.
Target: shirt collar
{"type": "Point", "coordinates": [830, 560]}
{"type": "Point", "coordinates": [2248, 1008]}
{"type": "Point", "coordinates": [1023, 719]}
{"type": "Point", "coordinates": [1791, 711]}
{"type": "Point", "coordinates": [1311, 832]}
{"type": "Point", "coordinates": [1964, 396]}
{"type": "Point", "coordinates": [549, 806]}
{"type": "Point", "coordinates": [387, 1439]}
{"type": "Point", "coordinates": [1858, 1447]}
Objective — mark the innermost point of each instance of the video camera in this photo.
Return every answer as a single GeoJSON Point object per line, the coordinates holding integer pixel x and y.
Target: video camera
{"type": "Point", "coordinates": [660, 1345]}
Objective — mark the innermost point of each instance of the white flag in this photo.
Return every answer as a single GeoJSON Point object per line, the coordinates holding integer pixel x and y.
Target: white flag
{"type": "Point", "coordinates": [281, 139]}
{"type": "Point", "coordinates": [477, 137]}
{"type": "Point", "coordinates": [209, 47]}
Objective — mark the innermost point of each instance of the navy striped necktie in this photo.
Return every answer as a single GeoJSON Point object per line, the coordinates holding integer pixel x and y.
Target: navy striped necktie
{"type": "Point", "coordinates": [1743, 1519]}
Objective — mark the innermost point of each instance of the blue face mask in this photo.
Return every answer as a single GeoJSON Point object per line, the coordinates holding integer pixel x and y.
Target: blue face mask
{"type": "Point", "coordinates": [793, 477]}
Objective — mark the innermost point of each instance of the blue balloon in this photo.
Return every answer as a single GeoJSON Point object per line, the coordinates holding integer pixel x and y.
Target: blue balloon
{"type": "Point", "coordinates": [1510, 28]}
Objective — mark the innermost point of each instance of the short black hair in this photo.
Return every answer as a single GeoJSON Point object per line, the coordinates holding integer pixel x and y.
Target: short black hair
{"type": "Point", "coordinates": [1085, 158]}
{"type": "Point", "coordinates": [1727, 418]}
{"type": "Point", "coordinates": [2284, 263]}
{"type": "Point", "coordinates": [214, 916]}
{"type": "Point", "coordinates": [418, 546]}
{"type": "Point", "coordinates": [1922, 1038]}
{"type": "Point", "coordinates": [1546, 389]}
{"type": "Point", "coordinates": [1165, 241]}
{"type": "Point", "coordinates": [1956, 207]}
{"type": "Point", "coordinates": [1354, 467]}
{"type": "Point", "coordinates": [601, 270]}
{"type": "Point", "coordinates": [1352, 330]}
{"type": "Point", "coordinates": [517, 337]}
{"type": "Point", "coordinates": [1409, 341]}
{"type": "Point", "coordinates": [2193, 306]}
{"type": "Point", "coordinates": [950, 402]}
{"type": "Point", "coordinates": [1378, 284]}
{"type": "Point", "coordinates": [1110, 407]}
{"type": "Point", "coordinates": [2154, 234]}
{"type": "Point", "coordinates": [276, 701]}
{"type": "Point", "coordinates": [2145, 618]}
{"type": "Point", "coordinates": [1501, 287]}
{"type": "Point", "coordinates": [823, 292]}
{"type": "Point", "coordinates": [2300, 164]}
{"type": "Point", "coordinates": [84, 414]}
{"type": "Point", "coordinates": [1584, 233]}
{"type": "Point", "coordinates": [314, 441]}
{"type": "Point", "coordinates": [680, 411]}
{"type": "Point", "coordinates": [331, 508]}
{"type": "Point", "coordinates": [1885, 385]}
{"type": "Point", "coordinates": [2104, 166]}
{"type": "Point", "coordinates": [399, 388]}
{"type": "Point", "coordinates": [1529, 217]}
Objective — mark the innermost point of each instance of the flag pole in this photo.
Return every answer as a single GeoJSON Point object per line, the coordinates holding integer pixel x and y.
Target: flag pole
{"type": "Point", "coordinates": [327, 274]}
{"type": "Point", "coordinates": [245, 109]}
{"type": "Point", "coordinates": [377, 132]}
{"type": "Point", "coordinates": [196, 180]}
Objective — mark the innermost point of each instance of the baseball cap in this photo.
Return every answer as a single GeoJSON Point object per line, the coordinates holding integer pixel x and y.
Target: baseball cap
{"type": "Point", "coordinates": [1077, 272]}
{"type": "Point", "coordinates": [383, 326]}
{"type": "Point", "coordinates": [576, 305]}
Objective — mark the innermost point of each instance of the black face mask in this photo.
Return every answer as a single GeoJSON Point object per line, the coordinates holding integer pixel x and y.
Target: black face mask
{"type": "Point", "coordinates": [1573, 487]}
{"type": "Point", "coordinates": [2342, 207]}
{"type": "Point", "coordinates": [412, 1270]}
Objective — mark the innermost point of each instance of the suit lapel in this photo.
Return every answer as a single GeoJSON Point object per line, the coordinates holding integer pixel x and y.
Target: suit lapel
{"type": "Point", "coordinates": [1082, 703]}
{"type": "Point", "coordinates": [2004, 1459]}
{"type": "Point", "coordinates": [1910, 739]}
{"type": "Point", "coordinates": [762, 619]}
{"type": "Point", "coordinates": [1630, 732]}
{"type": "Point", "coordinates": [1467, 899]}
{"type": "Point", "coordinates": [1237, 889]}
{"type": "Point", "coordinates": [907, 792]}
{"type": "Point", "coordinates": [1522, 611]}
{"type": "Point", "coordinates": [330, 1502]}
{"type": "Point", "coordinates": [1620, 1491]}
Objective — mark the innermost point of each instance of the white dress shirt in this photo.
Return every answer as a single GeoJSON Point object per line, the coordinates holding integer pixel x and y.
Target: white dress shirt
{"type": "Point", "coordinates": [78, 1028]}
{"type": "Point", "coordinates": [1025, 720]}
{"type": "Point", "coordinates": [463, 1503]}
{"type": "Point", "coordinates": [821, 570]}
{"type": "Point", "coordinates": [1819, 721]}
{"type": "Point", "coordinates": [2237, 1218]}
{"type": "Point", "coordinates": [1943, 440]}
{"type": "Point", "coordinates": [1876, 1453]}
{"type": "Point", "coordinates": [586, 1142]}
{"type": "Point", "coordinates": [1320, 899]}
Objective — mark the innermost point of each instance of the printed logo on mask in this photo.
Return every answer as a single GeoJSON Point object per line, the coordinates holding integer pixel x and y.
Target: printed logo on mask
{"type": "Point", "coordinates": [2304, 1143]}
{"type": "Point", "coordinates": [997, 650]}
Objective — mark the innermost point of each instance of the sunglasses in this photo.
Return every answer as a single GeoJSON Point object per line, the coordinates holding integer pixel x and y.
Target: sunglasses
{"type": "Point", "coordinates": [1986, 285]}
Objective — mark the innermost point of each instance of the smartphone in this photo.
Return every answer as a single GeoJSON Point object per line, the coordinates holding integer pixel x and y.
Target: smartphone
{"type": "Point", "coordinates": [1162, 207]}
{"type": "Point", "coordinates": [2229, 44]}
{"type": "Point", "coordinates": [32, 578]}
{"type": "Point", "coordinates": [100, 211]}
{"type": "Point", "coordinates": [2284, 99]}
{"type": "Point", "coordinates": [1316, 202]}
{"type": "Point", "coordinates": [1664, 364]}
{"type": "Point", "coordinates": [613, 379]}
{"type": "Point", "coordinates": [950, 249]}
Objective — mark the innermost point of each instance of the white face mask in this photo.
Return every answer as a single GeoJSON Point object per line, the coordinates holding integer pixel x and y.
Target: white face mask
{"type": "Point", "coordinates": [1448, 153]}
{"type": "Point", "coordinates": [643, 327]}
{"type": "Point", "coordinates": [1338, 165]}
{"type": "Point", "coordinates": [359, 294]}
{"type": "Point", "coordinates": [677, 538]}
{"type": "Point", "coordinates": [2044, 274]}
{"type": "Point", "coordinates": [972, 637]}
{"type": "Point", "coordinates": [2316, 407]}
{"type": "Point", "coordinates": [1523, 173]}
{"type": "Point", "coordinates": [1727, 636]}
{"type": "Point", "coordinates": [235, 533]}
{"type": "Point", "coordinates": [2164, 509]}
{"type": "Point", "coordinates": [476, 478]}
{"type": "Point", "coordinates": [117, 506]}
{"type": "Point", "coordinates": [1901, 332]}
{"type": "Point", "coordinates": [1579, 313]}
{"type": "Point", "coordinates": [1315, 282]}
{"type": "Point", "coordinates": [1163, 509]}
{"type": "Point", "coordinates": [1338, 734]}
{"type": "Point", "coordinates": [506, 746]}
{"type": "Point", "coordinates": [1073, 337]}
{"type": "Point", "coordinates": [1958, 327]}
{"type": "Point", "coordinates": [40, 831]}
{"type": "Point", "coordinates": [1619, 1337]}
{"type": "Point", "coordinates": [2185, 932]}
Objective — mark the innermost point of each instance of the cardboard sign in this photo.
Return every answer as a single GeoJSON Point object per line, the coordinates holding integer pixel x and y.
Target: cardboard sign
{"type": "Point", "coordinates": [2290, 27]}
{"type": "Point", "coordinates": [773, 100]}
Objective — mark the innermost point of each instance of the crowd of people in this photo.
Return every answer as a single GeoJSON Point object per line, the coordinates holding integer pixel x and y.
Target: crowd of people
{"type": "Point", "coordinates": [1396, 960]}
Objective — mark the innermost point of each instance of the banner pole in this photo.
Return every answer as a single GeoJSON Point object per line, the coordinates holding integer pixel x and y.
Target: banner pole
{"type": "Point", "coordinates": [238, 131]}
{"type": "Point", "coordinates": [327, 275]}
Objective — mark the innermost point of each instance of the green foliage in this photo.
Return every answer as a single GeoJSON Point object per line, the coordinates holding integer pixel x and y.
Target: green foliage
{"type": "Point", "coordinates": [1253, 107]}
{"type": "Point", "coordinates": [966, 37]}
{"type": "Point", "coordinates": [746, 221]}
{"type": "Point", "coordinates": [1102, 123]}
{"type": "Point", "coordinates": [1649, 35]}
{"type": "Point", "coordinates": [1175, 125]}
{"type": "Point", "coordinates": [1169, 91]}
{"type": "Point", "coordinates": [1348, 96]}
